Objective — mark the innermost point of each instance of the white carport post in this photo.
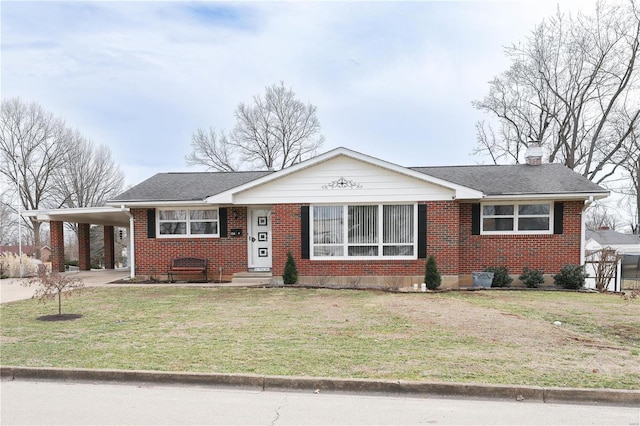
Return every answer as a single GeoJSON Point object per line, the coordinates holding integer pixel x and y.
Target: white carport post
{"type": "Point", "coordinates": [132, 251]}
{"type": "Point", "coordinates": [583, 226]}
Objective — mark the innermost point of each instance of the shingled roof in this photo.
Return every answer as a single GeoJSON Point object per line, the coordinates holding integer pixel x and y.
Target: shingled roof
{"type": "Point", "coordinates": [518, 179]}
{"type": "Point", "coordinates": [606, 237]}
{"type": "Point", "coordinates": [186, 186]}
{"type": "Point", "coordinates": [491, 180]}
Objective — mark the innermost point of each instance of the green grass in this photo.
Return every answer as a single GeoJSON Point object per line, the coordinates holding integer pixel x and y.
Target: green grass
{"type": "Point", "coordinates": [484, 337]}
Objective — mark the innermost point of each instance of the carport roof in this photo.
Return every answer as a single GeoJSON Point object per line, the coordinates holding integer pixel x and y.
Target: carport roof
{"type": "Point", "coordinates": [606, 237]}
{"type": "Point", "coordinates": [109, 216]}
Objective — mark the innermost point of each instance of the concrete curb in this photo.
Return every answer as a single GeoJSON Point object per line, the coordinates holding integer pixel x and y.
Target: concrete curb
{"type": "Point", "coordinates": [260, 382]}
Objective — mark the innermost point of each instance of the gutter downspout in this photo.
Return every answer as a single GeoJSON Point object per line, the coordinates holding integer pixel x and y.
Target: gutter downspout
{"type": "Point", "coordinates": [587, 204]}
{"type": "Point", "coordinates": [132, 251]}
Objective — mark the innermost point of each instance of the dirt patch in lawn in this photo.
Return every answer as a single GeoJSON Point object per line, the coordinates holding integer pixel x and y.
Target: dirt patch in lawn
{"type": "Point", "coordinates": [528, 338]}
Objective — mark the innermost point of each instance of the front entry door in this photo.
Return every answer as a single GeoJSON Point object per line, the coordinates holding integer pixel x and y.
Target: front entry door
{"type": "Point", "coordinates": [260, 239]}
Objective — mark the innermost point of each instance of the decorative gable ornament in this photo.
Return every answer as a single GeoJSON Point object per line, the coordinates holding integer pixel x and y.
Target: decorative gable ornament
{"type": "Point", "coordinates": [342, 183]}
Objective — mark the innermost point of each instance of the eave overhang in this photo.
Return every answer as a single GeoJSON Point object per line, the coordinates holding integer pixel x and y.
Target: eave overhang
{"type": "Point", "coordinates": [548, 196]}
{"type": "Point", "coordinates": [109, 216]}
{"type": "Point", "coordinates": [160, 203]}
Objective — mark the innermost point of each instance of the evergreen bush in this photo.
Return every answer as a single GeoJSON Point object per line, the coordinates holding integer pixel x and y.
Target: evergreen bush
{"type": "Point", "coordinates": [571, 277]}
{"type": "Point", "coordinates": [290, 275]}
{"type": "Point", "coordinates": [532, 278]}
{"type": "Point", "coordinates": [431, 275]}
{"type": "Point", "coordinates": [501, 277]}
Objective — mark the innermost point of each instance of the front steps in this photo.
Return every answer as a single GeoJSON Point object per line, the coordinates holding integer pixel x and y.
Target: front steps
{"type": "Point", "coordinates": [252, 278]}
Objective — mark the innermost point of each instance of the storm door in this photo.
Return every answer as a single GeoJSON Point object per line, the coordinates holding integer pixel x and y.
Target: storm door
{"type": "Point", "coordinates": [259, 239]}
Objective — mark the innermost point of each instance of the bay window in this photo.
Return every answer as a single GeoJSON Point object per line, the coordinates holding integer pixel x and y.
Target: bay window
{"type": "Point", "coordinates": [366, 231]}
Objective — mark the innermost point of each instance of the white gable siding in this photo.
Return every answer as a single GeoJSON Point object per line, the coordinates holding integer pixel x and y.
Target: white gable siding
{"type": "Point", "coordinates": [375, 184]}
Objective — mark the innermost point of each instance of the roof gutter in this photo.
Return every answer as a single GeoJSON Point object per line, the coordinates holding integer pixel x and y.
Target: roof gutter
{"type": "Point", "coordinates": [158, 203]}
{"type": "Point", "coordinates": [556, 196]}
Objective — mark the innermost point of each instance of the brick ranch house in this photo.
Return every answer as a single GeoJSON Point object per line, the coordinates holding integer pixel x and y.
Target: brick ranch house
{"type": "Point", "coordinates": [348, 217]}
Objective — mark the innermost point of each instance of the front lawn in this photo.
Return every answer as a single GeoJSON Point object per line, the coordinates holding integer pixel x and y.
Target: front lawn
{"type": "Point", "coordinates": [483, 337]}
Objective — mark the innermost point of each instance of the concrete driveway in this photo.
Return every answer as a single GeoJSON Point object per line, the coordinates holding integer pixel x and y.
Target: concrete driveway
{"type": "Point", "coordinates": [11, 290]}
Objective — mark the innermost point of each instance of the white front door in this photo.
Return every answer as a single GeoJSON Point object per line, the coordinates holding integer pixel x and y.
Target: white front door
{"type": "Point", "coordinates": [260, 239]}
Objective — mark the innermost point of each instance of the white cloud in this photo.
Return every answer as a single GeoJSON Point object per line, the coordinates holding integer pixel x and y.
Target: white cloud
{"type": "Point", "coordinates": [393, 80]}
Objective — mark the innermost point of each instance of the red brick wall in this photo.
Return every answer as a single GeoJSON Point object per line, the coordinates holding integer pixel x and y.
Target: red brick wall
{"type": "Point", "coordinates": [449, 238]}
{"type": "Point", "coordinates": [153, 255]}
{"type": "Point", "coordinates": [516, 252]}
{"type": "Point", "coordinates": [443, 223]}
{"type": "Point", "coordinates": [442, 241]}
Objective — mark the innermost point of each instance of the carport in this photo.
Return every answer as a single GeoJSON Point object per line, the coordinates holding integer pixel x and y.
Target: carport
{"type": "Point", "coordinates": [626, 247]}
{"type": "Point", "coordinates": [108, 217]}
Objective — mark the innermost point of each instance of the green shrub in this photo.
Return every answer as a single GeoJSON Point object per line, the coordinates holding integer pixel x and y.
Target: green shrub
{"type": "Point", "coordinates": [532, 278]}
{"type": "Point", "coordinates": [290, 275]}
{"type": "Point", "coordinates": [571, 277]}
{"type": "Point", "coordinates": [431, 275]}
{"type": "Point", "coordinates": [501, 277]}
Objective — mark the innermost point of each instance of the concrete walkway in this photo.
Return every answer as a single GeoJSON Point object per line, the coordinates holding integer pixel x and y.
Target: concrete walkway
{"type": "Point", "coordinates": [12, 290]}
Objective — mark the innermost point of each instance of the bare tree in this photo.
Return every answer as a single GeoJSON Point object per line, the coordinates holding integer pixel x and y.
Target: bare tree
{"type": "Point", "coordinates": [631, 191]}
{"type": "Point", "coordinates": [274, 132]}
{"type": "Point", "coordinates": [601, 217]}
{"type": "Point", "coordinates": [572, 87]}
{"type": "Point", "coordinates": [89, 176]}
{"type": "Point", "coordinates": [605, 264]}
{"type": "Point", "coordinates": [8, 224]}
{"type": "Point", "coordinates": [33, 144]}
{"type": "Point", "coordinates": [212, 150]}
{"type": "Point", "coordinates": [50, 165]}
{"type": "Point", "coordinates": [633, 167]}
{"type": "Point", "coordinates": [54, 285]}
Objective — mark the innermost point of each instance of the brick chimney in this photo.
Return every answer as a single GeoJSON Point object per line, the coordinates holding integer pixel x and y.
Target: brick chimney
{"type": "Point", "coordinates": [533, 156]}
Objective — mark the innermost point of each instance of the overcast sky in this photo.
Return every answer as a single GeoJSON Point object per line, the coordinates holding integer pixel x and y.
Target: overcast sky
{"type": "Point", "coordinates": [394, 80]}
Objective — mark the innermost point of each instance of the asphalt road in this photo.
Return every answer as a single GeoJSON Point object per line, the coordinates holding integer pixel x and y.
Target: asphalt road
{"type": "Point", "coordinates": [54, 402]}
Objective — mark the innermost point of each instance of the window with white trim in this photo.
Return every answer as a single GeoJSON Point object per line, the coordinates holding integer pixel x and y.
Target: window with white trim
{"type": "Point", "coordinates": [188, 222]}
{"type": "Point", "coordinates": [523, 218]}
{"type": "Point", "coordinates": [364, 231]}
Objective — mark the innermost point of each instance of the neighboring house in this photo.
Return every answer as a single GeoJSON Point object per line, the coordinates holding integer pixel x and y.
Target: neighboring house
{"type": "Point", "coordinates": [627, 250]}
{"type": "Point", "coordinates": [348, 217]}
{"type": "Point", "coordinates": [28, 250]}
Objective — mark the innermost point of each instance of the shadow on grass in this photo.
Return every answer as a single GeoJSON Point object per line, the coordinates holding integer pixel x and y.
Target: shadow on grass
{"type": "Point", "coordinates": [62, 317]}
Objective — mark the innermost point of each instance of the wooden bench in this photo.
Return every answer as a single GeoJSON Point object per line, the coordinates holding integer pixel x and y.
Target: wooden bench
{"type": "Point", "coordinates": [188, 265]}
